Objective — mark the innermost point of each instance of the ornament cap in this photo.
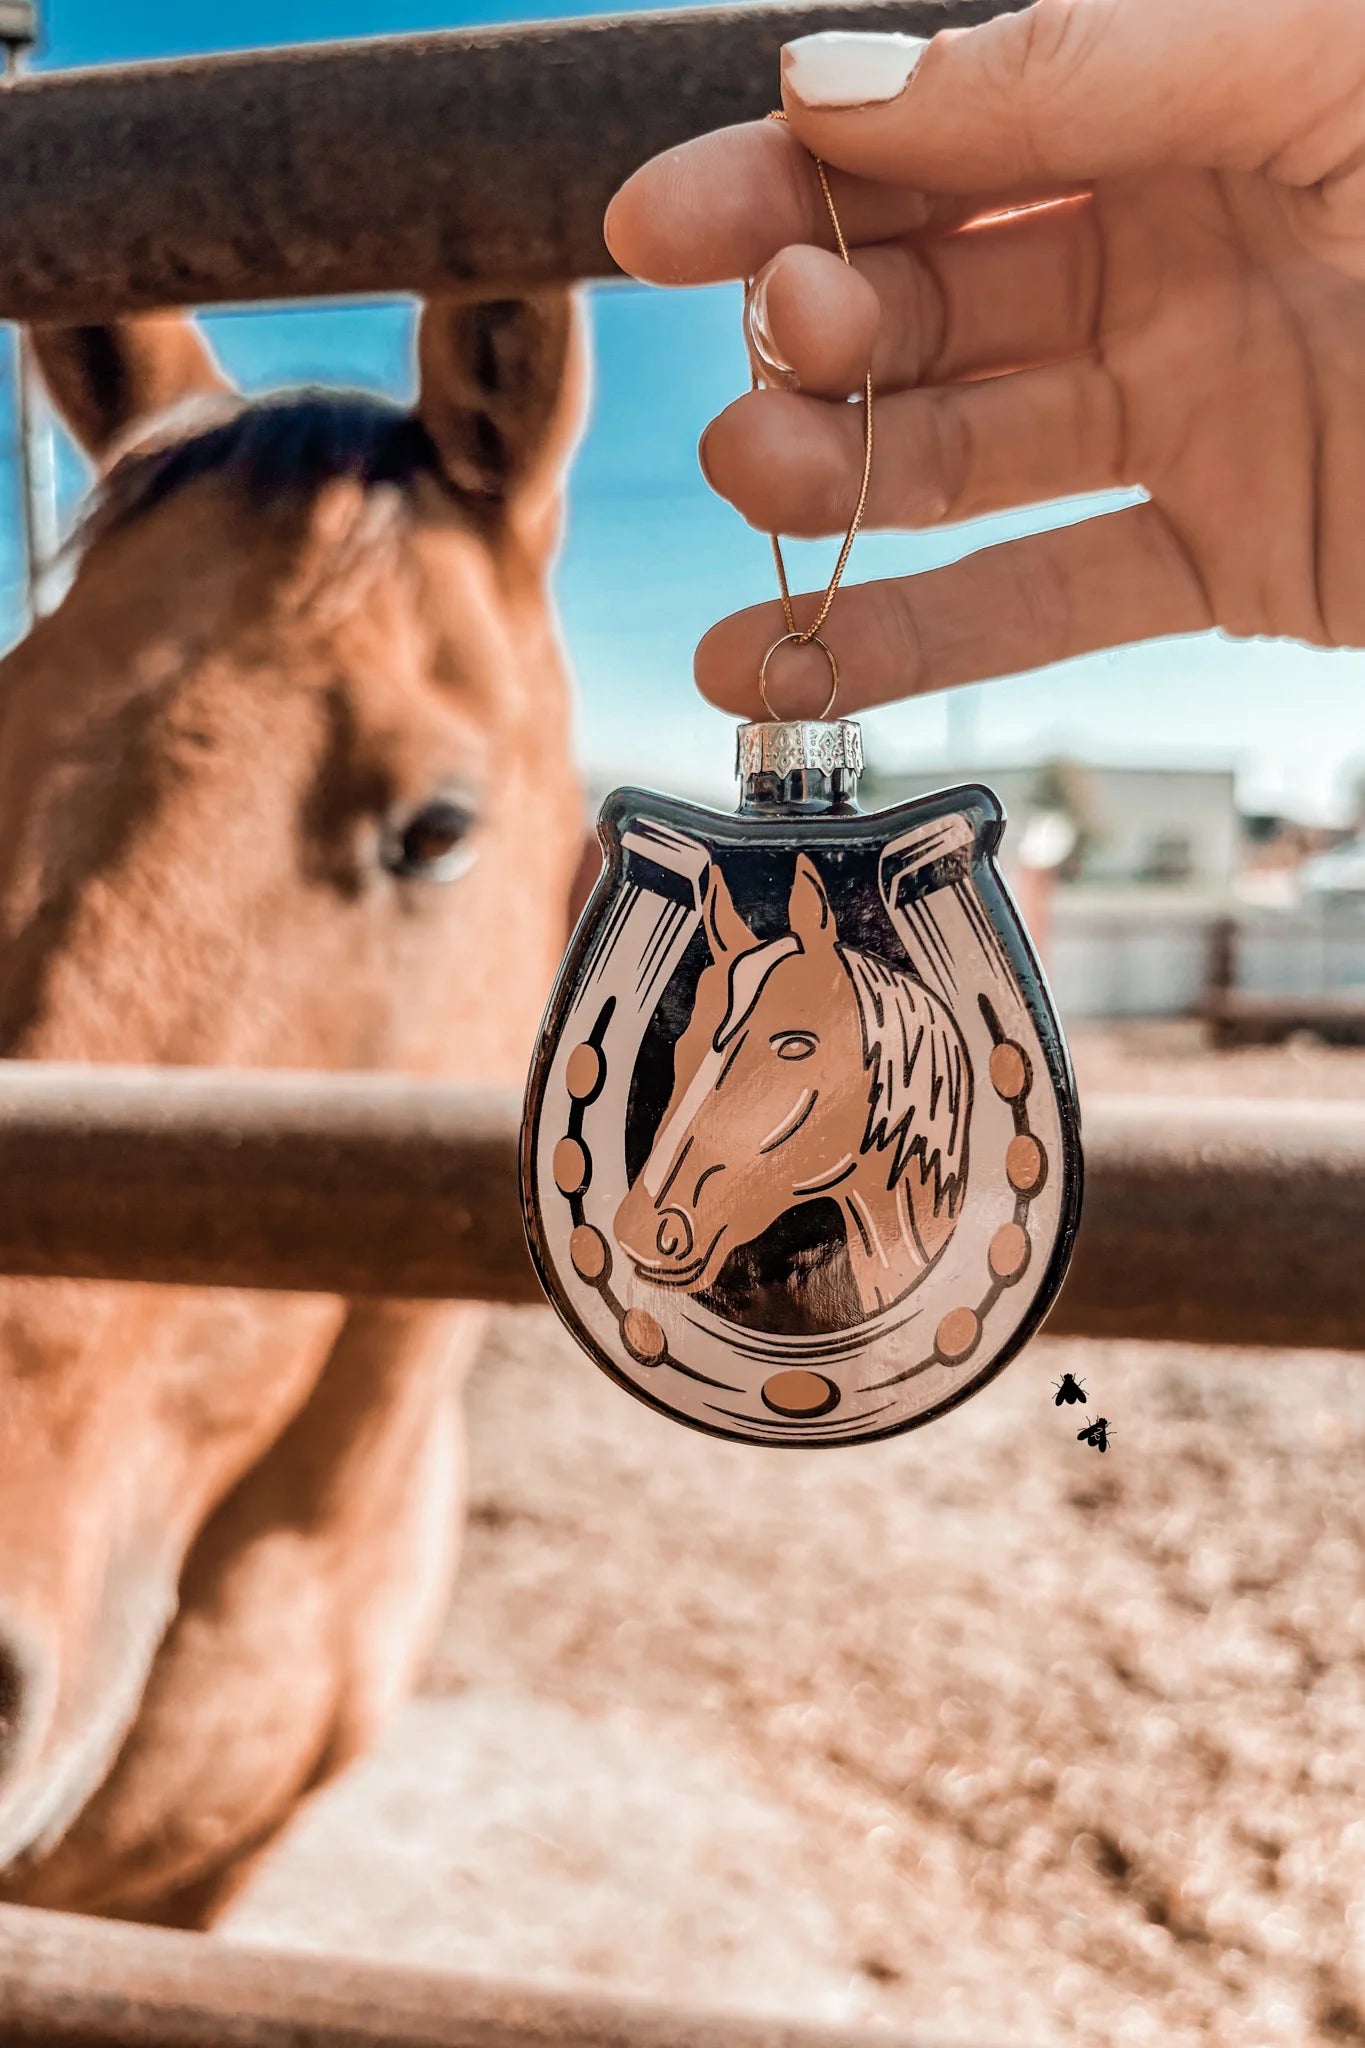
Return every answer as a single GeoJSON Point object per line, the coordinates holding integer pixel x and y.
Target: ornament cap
{"type": "Point", "coordinates": [805, 765]}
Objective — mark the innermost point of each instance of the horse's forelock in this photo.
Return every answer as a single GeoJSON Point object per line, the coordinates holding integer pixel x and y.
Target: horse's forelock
{"type": "Point", "coordinates": [279, 452]}
{"type": "Point", "coordinates": [746, 981]}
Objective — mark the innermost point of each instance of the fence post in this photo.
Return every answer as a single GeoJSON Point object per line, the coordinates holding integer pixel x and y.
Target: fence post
{"type": "Point", "coordinates": [1220, 981]}
{"type": "Point", "coordinates": [37, 507]}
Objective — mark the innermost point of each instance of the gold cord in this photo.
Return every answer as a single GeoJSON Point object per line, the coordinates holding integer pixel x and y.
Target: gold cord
{"type": "Point", "coordinates": [804, 636]}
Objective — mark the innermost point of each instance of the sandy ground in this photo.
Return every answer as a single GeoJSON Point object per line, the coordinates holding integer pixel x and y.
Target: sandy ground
{"type": "Point", "coordinates": [975, 1732]}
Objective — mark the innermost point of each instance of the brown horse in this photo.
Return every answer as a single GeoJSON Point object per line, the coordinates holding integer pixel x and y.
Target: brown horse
{"type": "Point", "coordinates": [807, 1069]}
{"type": "Point", "coordinates": [285, 782]}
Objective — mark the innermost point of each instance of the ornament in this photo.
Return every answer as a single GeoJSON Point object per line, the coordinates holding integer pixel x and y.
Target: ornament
{"type": "Point", "coordinates": [801, 1156]}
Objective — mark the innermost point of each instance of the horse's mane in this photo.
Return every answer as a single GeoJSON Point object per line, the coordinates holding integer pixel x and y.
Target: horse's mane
{"type": "Point", "coordinates": [919, 1092]}
{"type": "Point", "coordinates": [279, 452]}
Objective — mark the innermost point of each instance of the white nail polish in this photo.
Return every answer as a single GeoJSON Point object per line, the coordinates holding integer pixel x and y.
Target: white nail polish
{"type": "Point", "coordinates": [841, 69]}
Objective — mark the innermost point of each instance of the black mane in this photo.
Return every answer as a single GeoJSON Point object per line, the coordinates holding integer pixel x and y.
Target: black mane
{"type": "Point", "coordinates": [279, 452]}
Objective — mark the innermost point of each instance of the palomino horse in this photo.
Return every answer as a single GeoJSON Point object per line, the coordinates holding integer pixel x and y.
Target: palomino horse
{"type": "Point", "coordinates": [807, 1070]}
{"type": "Point", "coordinates": [307, 673]}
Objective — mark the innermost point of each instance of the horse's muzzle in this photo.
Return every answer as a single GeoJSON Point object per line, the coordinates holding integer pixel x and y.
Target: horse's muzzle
{"type": "Point", "coordinates": [661, 1244]}
{"type": "Point", "coordinates": [675, 1238]}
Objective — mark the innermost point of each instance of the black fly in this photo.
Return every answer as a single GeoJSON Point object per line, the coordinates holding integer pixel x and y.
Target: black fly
{"type": "Point", "coordinates": [1068, 1389]}
{"type": "Point", "coordinates": [1096, 1433]}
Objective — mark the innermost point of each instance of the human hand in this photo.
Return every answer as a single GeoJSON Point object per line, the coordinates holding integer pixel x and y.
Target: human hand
{"type": "Point", "coordinates": [1182, 308]}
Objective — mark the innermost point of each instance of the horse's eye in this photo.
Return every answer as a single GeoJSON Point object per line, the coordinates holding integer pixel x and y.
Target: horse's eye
{"type": "Point", "coordinates": [794, 1045]}
{"type": "Point", "coordinates": [430, 844]}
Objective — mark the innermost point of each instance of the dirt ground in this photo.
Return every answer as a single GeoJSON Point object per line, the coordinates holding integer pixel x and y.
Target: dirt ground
{"type": "Point", "coordinates": [975, 1732]}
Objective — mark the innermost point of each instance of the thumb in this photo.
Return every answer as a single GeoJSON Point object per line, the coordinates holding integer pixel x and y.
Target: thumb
{"type": "Point", "coordinates": [1075, 90]}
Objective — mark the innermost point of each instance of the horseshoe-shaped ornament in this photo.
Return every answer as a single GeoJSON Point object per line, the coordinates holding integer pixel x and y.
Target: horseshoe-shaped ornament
{"type": "Point", "coordinates": [801, 1155]}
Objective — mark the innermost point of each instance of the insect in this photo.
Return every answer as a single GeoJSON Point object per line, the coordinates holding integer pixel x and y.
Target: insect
{"type": "Point", "coordinates": [1096, 1433]}
{"type": "Point", "coordinates": [1069, 1389]}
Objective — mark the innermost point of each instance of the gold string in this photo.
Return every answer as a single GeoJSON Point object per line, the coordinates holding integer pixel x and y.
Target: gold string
{"type": "Point", "coordinates": [804, 636]}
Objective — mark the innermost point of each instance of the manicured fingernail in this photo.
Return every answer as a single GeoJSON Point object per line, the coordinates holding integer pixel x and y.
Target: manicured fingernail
{"type": "Point", "coordinates": [701, 457]}
{"type": "Point", "coordinates": [758, 333]}
{"type": "Point", "coordinates": [841, 69]}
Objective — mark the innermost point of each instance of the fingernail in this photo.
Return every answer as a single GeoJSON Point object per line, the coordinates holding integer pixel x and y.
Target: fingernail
{"type": "Point", "coordinates": [701, 458]}
{"type": "Point", "coordinates": [840, 69]}
{"type": "Point", "coordinates": [758, 334]}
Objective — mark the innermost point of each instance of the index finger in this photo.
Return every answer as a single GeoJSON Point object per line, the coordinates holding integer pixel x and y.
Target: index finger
{"type": "Point", "coordinates": [722, 206]}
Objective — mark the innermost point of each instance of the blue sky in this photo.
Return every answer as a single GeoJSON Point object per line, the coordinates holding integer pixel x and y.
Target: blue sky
{"type": "Point", "coordinates": [652, 558]}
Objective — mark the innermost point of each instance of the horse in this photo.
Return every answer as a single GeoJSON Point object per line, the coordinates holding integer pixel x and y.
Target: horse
{"type": "Point", "coordinates": [807, 1070]}
{"type": "Point", "coordinates": [286, 781]}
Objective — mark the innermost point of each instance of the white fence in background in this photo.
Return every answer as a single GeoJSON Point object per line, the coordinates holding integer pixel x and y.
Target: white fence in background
{"type": "Point", "coordinates": [1154, 962]}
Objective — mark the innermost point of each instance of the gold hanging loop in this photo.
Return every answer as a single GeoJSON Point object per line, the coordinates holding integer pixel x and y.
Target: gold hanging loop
{"type": "Point", "coordinates": [808, 635]}
{"type": "Point", "coordinates": [802, 640]}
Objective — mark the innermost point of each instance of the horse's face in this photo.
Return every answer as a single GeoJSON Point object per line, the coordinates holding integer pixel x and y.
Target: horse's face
{"type": "Point", "coordinates": [285, 781]}
{"type": "Point", "coordinates": [769, 1103]}
{"type": "Point", "coordinates": [288, 768]}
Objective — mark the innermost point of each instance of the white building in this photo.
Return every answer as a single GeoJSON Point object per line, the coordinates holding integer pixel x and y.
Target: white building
{"type": "Point", "coordinates": [1128, 930]}
{"type": "Point", "coordinates": [1165, 828]}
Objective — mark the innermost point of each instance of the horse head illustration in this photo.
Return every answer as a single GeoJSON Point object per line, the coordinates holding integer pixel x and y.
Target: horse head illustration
{"type": "Point", "coordinates": [808, 1069]}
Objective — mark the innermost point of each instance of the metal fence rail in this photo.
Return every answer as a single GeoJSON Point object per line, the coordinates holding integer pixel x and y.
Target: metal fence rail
{"type": "Point", "coordinates": [68, 1982]}
{"type": "Point", "coordinates": [1215, 1222]}
{"type": "Point", "coordinates": [392, 165]}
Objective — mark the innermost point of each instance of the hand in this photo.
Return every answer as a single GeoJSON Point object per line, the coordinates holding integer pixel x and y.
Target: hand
{"type": "Point", "coordinates": [1183, 308]}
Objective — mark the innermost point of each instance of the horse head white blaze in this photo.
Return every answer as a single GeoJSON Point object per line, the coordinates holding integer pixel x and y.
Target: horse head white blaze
{"type": "Point", "coordinates": [808, 1069]}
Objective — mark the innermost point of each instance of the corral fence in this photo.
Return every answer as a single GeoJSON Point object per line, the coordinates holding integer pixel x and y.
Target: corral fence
{"type": "Point", "coordinates": [1211, 1222]}
{"type": "Point", "coordinates": [1271, 974]}
{"type": "Point", "coordinates": [399, 164]}
{"type": "Point", "coordinates": [68, 1982]}
{"type": "Point", "coordinates": [479, 160]}
{"type": "Point", "coordinates": [1171, 958]}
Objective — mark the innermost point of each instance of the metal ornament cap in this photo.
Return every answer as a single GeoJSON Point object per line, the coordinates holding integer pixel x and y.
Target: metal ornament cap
{"type": "Point", "coordinates": [775, 746]}
{"type": "Point", "coordinates": [793, 763]}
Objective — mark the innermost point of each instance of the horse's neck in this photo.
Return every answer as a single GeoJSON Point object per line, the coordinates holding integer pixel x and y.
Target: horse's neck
{"type": "Point", "coordinates": [881, 1246]}
{"type": "Point", "coordinates": [893, 1234]}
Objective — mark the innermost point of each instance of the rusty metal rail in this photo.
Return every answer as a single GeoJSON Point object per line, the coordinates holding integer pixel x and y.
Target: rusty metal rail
{"type": "Point", "coordinates": [1216, 1222]}
{"type": "Point", "coordinates": [393, 165]}
{"type": "Point", "coordinates": [67, 1982]}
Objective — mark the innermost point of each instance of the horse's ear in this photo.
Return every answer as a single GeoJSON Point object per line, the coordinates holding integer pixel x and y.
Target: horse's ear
{"type": "Point", "coordinates": [104, 381]}
{"type": "Point", "coordinates": [726, 930]}
{"type": "Point", "coordinates": [503, 394]}
{"type": "Point", "coordinates": [808, 913]}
